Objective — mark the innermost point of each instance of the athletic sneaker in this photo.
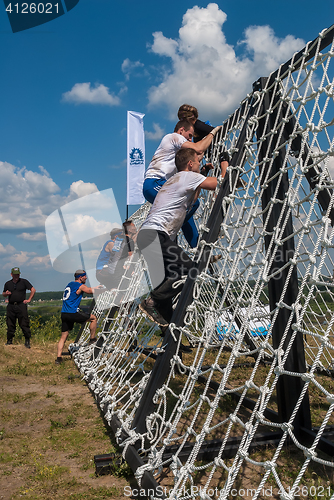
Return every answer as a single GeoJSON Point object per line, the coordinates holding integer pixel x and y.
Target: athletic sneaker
{"type": "Point", "coordinates": [163, 330]}
{"type": "Point", "coordinates": [148, 308]}
{"type": "Point", "coordinates": [9, 342]}
{"type": "Point", "coordinates": [185, 348]}
{"type": "Point", "coordinates": [59, 361]}
{"type": "Point", "coordinates": [92, 341]}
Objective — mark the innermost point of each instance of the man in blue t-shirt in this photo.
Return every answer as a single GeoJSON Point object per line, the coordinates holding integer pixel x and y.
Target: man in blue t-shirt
{"type": "Point", "coordinates": [110, 263]}
{"type": "Point", "coordinates": [70, 312]}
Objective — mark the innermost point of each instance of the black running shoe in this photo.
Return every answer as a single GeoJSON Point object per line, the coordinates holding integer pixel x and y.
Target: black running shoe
{"type": "Point", "coordinates": [148, 308]}
{"type": "Point", "coordinates": [59, 361]}
{"type": "Point", "coordinates": [185, 348]}
{"type": "Point", "coordinates": [27, 344]}
{"type": "Point", "coordinates": [163, 330]}
{"type": "Point", "coordinates": [9, 342]}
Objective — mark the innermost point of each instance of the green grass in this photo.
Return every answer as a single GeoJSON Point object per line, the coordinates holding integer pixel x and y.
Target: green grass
{"type": "Point", "coordinates": [50, 425]}
{"type": "Point", "coordinates": [45, 322]}
{"type": "Point", "coordinates": [43, 329]}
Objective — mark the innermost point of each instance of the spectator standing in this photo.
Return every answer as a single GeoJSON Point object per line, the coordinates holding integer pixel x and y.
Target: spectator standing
{"type": "Point", "coordinates": [15, 292]}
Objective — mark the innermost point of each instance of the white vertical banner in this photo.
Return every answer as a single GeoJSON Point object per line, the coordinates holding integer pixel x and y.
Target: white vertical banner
{"type": "Point", "coordinates": [135, 158]}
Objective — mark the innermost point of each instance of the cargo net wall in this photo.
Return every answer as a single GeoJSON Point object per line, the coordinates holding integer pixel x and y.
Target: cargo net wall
{"type": "Point", "coordinates": [248, 412]}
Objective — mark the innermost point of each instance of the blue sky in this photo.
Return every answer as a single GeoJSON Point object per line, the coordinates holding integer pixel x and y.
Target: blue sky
{"type": "Point", "coordinates": [66, 87]}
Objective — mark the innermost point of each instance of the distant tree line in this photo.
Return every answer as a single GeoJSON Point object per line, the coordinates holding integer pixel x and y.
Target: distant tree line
{"type": "Point", "coordinates": [48, 295]}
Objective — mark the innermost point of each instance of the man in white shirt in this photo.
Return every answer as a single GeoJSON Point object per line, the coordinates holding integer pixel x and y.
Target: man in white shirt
{"type": "Point", "coordinates": [162, 167]}
{"type": "Point", "coordinates": [157, 235]}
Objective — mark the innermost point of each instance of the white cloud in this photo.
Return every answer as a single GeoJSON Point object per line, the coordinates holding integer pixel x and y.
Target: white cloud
{"type": "Point", "coordinates": [6, 250]}
{"type": "Point", "coordinates": [20, 258]}
{"type": "Point", "coordinates": [24, 197]}
{"type": "Point", "coordinates": [328, 163]}
{"type": "Point", "coordinates": [81, 188]}
{"type": "Point", "coordinates": [27, 197]}
{"type": "Point", "coordinates": [129, 67]}
{"type": "Point", "coordinates": [32, 236]}
{"type": "Point", "coordinates": [44, 171]}
{"type": "Point", "coordinates": [206, 71]}
{"type": "Point", "coordinates": [157, 134]}
{"type": "Point", "coordinates": [269, 51]}
{"type": "Point", "coordinates": [11, 256]}
{"type": "Point", "coordinates": [84, 219]}
{"type": "Point", "coordinates": [40, 262]}
{"type": "Point", "coordinates": [82, 227]}
{"type": "Point", "coordinates": [83, 93]}
{"type": "Point", "coordinates": [330, 166]}
{"type": "Point", "coordinates": [26, 200]}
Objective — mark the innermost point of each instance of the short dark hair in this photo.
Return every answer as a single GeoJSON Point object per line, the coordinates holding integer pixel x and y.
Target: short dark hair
{"type": "Point", "coordinates": [183, 156]}
{"type": "Point", "coordinates": [183, 124]}
{"type": "Point", "coordinates": [127, 222]}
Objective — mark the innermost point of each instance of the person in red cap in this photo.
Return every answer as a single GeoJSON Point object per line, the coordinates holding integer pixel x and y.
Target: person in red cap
{"type": "Point", "coordinates": [14, 291]}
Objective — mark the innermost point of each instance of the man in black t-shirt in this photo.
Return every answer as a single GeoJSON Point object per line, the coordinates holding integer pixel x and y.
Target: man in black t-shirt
{"type": "Point", "coordinates": [15, 291]}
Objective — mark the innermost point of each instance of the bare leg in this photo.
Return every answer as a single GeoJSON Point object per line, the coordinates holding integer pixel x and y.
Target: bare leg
{"type": "Point", "coordinates": [61, 343]}
{"type": "Point", "coordinates": [92, 326]}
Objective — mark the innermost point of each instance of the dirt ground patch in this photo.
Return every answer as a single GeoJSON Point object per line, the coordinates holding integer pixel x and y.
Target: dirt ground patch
{"type": "Point", "coordinates": [50, 430]}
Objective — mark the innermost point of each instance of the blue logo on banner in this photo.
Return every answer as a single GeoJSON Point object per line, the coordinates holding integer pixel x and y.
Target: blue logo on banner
{"type": "Point", "coordinates": [136, 157]}
{"type": "Point", "coordinates": [25, 15]}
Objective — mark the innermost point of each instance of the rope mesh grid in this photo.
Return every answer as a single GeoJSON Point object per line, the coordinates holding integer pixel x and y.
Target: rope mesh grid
{"type": "Point", "coordinates": [229, 323]}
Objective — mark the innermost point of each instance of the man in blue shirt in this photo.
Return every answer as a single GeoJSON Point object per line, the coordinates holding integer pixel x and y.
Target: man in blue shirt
{"type": "Point", "coordinates": [110, 263]}
{"type": "Point", "coordinates": [70, 312]}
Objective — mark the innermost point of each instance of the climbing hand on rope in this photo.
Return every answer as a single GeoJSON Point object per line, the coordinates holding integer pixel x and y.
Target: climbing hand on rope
{"type": "Point", "coordinates": [215, 130]}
